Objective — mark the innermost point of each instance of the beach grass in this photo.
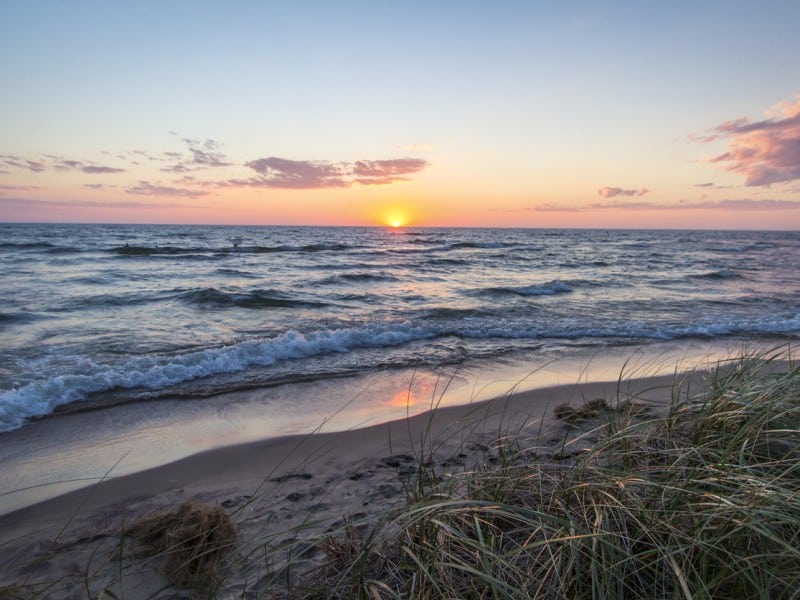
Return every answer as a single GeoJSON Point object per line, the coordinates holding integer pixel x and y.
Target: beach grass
{"type": "Point", "coordinates": [701, 503]}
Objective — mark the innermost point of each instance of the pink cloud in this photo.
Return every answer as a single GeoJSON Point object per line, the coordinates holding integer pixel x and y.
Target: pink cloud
{"type": "Point", "coordinates": [387, 168]}
{"type": "Point", "coordinates": [766, 151]}
{"type": "Point", "coordinates": [734, 204]}
{"type": "Point", "coordinates": [612, 192]}
{"type": "Point", "coordinates": [296, 174]}
{"type": "Point", "coordinates": [305, 174]}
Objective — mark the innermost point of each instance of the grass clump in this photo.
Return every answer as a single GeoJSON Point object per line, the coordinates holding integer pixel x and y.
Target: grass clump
{"type": "Point", "coordinates": [701, 503]}
{"type": "Point", "coordinates": [193, 541]}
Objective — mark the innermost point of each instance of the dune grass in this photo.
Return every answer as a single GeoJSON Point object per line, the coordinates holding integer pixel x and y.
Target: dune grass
{"type": "Point", "coordinates": [701, 503]}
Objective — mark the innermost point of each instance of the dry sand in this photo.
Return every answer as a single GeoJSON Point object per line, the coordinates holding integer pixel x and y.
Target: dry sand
{"type": "Point", "coordinates": [276, 491]}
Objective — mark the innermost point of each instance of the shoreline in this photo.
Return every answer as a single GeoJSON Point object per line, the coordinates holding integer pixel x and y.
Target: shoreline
{"type": "Point", "coordinates": [67, 451]}
{"type": "Point", "coordinates": [275, 487]}
{"type": "Point", "coordinates": [526, 405]}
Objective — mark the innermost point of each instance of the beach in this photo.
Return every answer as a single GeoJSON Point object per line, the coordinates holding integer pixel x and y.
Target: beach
{"type": "Point", "coordinates": [283, 490]}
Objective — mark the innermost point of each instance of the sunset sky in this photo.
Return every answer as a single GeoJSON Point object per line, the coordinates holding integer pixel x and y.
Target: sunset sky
{"type": "Point", "coordinates": [435, 113]}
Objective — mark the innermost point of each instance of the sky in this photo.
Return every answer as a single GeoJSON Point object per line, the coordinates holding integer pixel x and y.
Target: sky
{"type": "Point", "coordinates": [436, 113]}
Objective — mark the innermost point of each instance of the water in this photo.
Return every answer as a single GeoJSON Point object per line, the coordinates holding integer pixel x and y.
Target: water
{"type": "Point", "coordinates": [99, 311]}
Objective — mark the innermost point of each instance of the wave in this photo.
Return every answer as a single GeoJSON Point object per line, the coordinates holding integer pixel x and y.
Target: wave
{"type": "Point", "coordinates": [47, 247]}
{"type": "Point", "coordinates": [128, 250]}
{"type": "Point", "coordinates": [740, 248]}
{"type": "Point", "coordinates": [445, 313]}
{"type": "Point", "coordinates": [454, 246]}
{"type": "Point", "coordinates": [40, 398]}
{"type": "Point", "coordinates": [304, 248]}
{"type": "Point", "coordinates": [87, 377]}
{"type": "Point", "coordinates": [165, 252]}
{"type": "Point", "coordinates": [718, 274]}
{"type": "Point", "coordinates": [449, 261]}
{"type": "Point", "coordinates": [551, 288]}
{"type": "Point", "coordinates": [82, 303]}
{"type": "Point", "coordinates": [237, 273]}
{"type": "Point", "coordinates": [478, 245]}
{"type": "Point", "coordinates": [19, 318]}
{"type": "Point", "coordinates": [213, 297]}
{"type": "Point", "coordinates": [26, 245]}
{"type": "Point", "coordinates": [358, 278]}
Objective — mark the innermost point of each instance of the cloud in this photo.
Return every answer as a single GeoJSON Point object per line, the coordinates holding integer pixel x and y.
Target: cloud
{"type": "Point", "coordinates": [766, 151]}
{"type": "Point", "coordinates": [145, 188]}
{"type": "Point", "coordinates": [612, 192]}
{"type": "Point", "coordinates": [208, 155]}
{"type": "Point", "coordinates": [551, 207]}
{"type": "Point", "coordinates": [305, 174]}
{"type": "Point", "coordinates": [382, 172]}
{"type": "Point", "coordinates": [203, 154]}
{"type": "Point", "coordinates": [20, 188]}
{"type": "Point", "coordinates": [59, 164]}
{"type": "Point", "coordinates": [99, 169]}
{"type": "Point", "coordinates": [87, 204]}
{"type": "Point", "coordinates": [298, 174]}
{"type": "Point", "coordinates": [736, 204]}
{"type": "Point", "coordinates": [11, 160]}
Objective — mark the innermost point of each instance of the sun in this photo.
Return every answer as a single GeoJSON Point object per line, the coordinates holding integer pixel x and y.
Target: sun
{"type": "Point", "coordinates": [395, 219]}
{"type": "Point", "coordinates": [395, 216]}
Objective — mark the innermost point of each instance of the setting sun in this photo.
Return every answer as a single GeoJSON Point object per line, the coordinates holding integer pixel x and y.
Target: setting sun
{"type": "Point", "coordinates": [395, 218]}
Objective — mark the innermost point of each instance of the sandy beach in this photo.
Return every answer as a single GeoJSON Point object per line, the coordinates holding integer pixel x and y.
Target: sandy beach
{"type": "Point", "coordinates": [278, 492]}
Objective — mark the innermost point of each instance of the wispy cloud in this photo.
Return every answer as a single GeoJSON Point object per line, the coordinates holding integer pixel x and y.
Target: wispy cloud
{"type": "Point", "coordinates": [612, 192]}
{"type": "Point", "coordinates": [552, 207]}
{"type": "Point", "coordinates": [735, 204]}
{"type": "Point", "coordinates": [10, 160]}
{"type": "Point", "coordinates": [17, 202]}
{"type": "Point", "coordinates": [766, 151]}
{"type": "Point", "coordinates": [145, 188]}
{"type": "Point", "coordinates": [99, 169]}
{"type": "Point", "coordinates": [203, 154]}
{"type": "Point", "coordinates": [19, 188]}
{"type": "Point", "coordinates": [46, 162]}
